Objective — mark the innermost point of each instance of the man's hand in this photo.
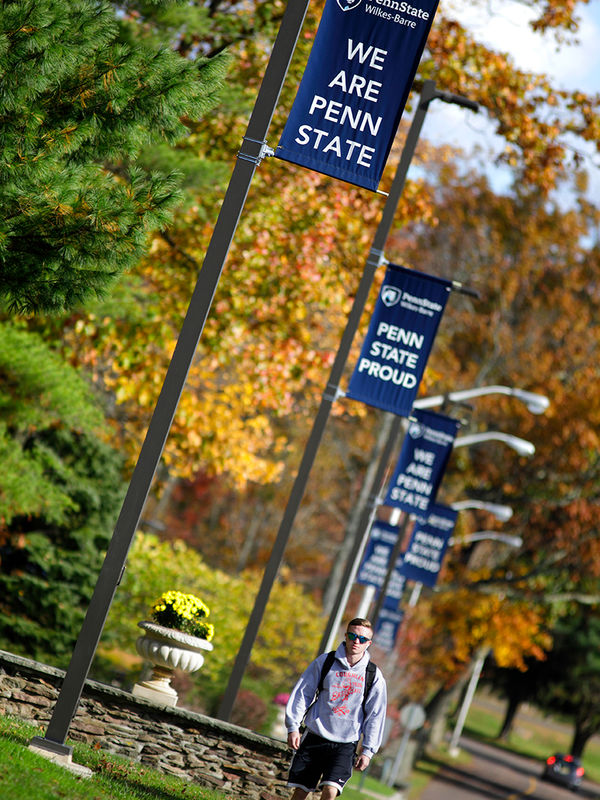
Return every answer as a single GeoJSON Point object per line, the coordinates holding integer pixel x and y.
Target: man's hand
{"type": "Point", "coordinates": [362, 762]}
{"type": "Point", "coordinates": [294, 739]}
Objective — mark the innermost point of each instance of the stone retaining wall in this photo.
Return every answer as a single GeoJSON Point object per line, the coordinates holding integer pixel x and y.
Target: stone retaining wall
{"type": "Point", "coordinates": [216, 754]}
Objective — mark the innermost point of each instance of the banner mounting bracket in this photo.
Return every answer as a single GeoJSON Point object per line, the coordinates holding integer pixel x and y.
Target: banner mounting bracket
{"type": "Point", "coordinates": [255, 158]}
{"type": "Point", "coordinates": [457, 286]}
{"type": "Point", "coordinates": [376, 258]}
{"type": "Point", "coordinates": [333, 393]}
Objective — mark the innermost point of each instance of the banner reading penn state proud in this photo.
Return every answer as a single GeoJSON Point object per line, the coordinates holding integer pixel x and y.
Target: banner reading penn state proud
{"type": "Point", "coordinates": [425, 552]}
{"type": "Point", "coordinates": [399, 339]}
{"type": "Point", "coordinates": [422, 463]}
{"type": "Point", "coordinates": [355, 86]}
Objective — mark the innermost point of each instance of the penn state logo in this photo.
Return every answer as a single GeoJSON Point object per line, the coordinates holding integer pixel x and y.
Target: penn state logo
{"type": "Point", "coordinates": [390, 295]}
{"type": "Point", "coordinates": [348, 5]}
{"type": "Point", "coordinates": [416, 430]}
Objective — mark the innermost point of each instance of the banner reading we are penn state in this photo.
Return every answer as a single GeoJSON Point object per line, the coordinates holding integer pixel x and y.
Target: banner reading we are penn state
{"type": "Point", "coordinates": [425, 552]}
{"type": "Point", "coordinates": [355, 87]}
{"type": "Point", "coordinates": [399, 339]}
{"type": "Point", "coordinates": [422, 463]}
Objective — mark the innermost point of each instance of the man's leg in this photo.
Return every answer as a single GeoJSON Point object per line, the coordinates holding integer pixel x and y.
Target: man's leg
{"type": "Point", "coordinates": [329, 792]}
{"type": "Point", "coordinates": [299, 794]}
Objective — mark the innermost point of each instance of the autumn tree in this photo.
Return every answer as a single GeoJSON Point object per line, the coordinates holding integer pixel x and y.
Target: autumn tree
{"type": "Point", "coordinates": [536, 326]}
{"type": "Point", "coordinates": [566, 682]}
{"type": "Point", "coordinates": [293, 216]}
{"type": "Point", "coordinates": [571, 679]}
{"type": "Point", "coordinates": [441, 638]}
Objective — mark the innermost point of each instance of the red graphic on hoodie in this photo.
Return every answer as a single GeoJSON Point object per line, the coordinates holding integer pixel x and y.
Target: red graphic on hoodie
{"type": "Point", "coordinates": [340, 692]}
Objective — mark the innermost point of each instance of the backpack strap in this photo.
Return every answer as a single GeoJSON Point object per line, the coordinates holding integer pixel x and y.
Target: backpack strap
{"type": "Point", "coordinates": [370, 673]}
{"type": "Point", "coordinates": [327, 664]}
{"type": "Point", "coordinates": [329, 659]}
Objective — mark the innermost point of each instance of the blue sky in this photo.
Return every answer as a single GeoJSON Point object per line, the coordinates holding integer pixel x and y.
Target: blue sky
{"type": "Point", "coordinates": [503, 24]}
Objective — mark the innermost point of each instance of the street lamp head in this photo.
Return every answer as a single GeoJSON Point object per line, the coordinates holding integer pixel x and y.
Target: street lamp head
{"type": "Point", "coordinates": [502, 513]}
{"type": "Point", "coordinates": [536, 403]}
{"type": "Point", "coordinates": [523, 447]}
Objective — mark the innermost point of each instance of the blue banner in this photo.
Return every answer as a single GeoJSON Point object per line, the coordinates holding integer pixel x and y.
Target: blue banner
{"type": "Point", "coordinates": [376, 558]}
{"type": "Point", "coordinates": [355, 86]}
{"type": "Point", "coordinates": [399, 339]}
{"type": "Point", "coordinates": [423, 458]}
{"type": "Point", "coordinates": [387, 627]}
{"type": "Point", "coordinates": [428, 543]}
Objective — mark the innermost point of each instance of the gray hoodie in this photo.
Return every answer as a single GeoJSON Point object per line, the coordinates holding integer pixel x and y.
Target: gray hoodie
{"type": "Point", "coordinates": [337, 714]}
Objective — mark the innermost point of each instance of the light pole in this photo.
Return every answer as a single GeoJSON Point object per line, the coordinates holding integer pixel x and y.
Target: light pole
{"type": "Point", "coordinates": [469, 694]}
{"type": "Point", "coordinates": [513, 541]}
{"type": "Point", "coordinates": [501, 512]}
{"type": "Point", "coordinates": [358, 528]}
{"type": "Point", "coordinates": [252, 151]}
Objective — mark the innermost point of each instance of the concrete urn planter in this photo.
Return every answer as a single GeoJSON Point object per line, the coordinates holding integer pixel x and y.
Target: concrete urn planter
{"type": "Point", "coordinates": [167, 649]}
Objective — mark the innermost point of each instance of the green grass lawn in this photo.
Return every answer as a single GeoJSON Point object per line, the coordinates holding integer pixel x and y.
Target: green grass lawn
{"type": "Point", "coordinates": [24, 773]}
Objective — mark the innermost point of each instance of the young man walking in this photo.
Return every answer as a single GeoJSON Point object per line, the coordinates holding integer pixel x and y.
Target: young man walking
{"type": "Point", "coordinates": [337, 708]}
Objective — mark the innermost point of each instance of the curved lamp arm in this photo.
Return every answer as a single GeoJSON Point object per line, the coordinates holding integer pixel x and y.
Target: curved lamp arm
{"type": "Point", "coordinates": [522, 446]}
{"type": "Point", "coordinates": [501, 512]}
{"type": "Point", "coordinates": [478, 536]}
{"type": "Point", "coordinates": [536, 403]}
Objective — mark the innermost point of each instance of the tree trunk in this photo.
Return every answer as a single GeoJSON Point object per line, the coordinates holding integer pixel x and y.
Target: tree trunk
{"type": "Point", "coordinates": [510, 713]}
{"type": "Point", "coordinates": [581, 735]}
{"type": "Point", "coordinates": [437, 714]}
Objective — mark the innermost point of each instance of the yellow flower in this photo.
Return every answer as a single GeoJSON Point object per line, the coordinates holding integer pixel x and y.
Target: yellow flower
{"type": "Point", "coordinates": [183, 612]}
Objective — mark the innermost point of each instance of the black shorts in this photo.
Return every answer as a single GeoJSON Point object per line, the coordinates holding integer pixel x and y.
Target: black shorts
{"type": "Point", "coordinates": [319, 762]}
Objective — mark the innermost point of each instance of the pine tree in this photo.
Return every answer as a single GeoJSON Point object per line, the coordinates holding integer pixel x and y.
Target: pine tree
{"type": "Point", "coordinates": [61, 487]}
{"type": "Point", "coordinates": [77, 107]}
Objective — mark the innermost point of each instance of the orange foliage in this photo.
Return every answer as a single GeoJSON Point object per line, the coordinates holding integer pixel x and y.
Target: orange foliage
{"type": "Point", "coordinates": [450, 628]}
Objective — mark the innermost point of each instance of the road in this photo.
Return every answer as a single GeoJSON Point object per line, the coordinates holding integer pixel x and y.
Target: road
{"type": "Point", "coordinates": [494, 774]}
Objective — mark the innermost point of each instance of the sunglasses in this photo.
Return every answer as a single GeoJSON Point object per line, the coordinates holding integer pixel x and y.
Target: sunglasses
{"type": "Point", "coordinates": [354, 636]}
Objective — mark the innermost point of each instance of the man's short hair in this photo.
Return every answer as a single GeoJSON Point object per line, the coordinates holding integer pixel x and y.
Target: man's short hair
{"type": "Point", "coordinates": [359, 621]}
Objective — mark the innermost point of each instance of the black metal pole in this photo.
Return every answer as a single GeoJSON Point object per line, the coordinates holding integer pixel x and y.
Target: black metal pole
{"type": "Point", "coordinates": [252, 151]}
